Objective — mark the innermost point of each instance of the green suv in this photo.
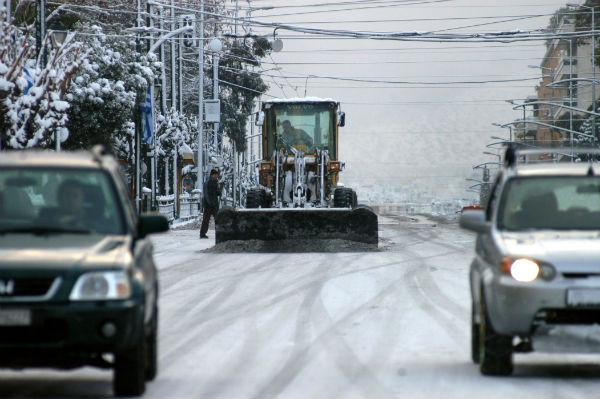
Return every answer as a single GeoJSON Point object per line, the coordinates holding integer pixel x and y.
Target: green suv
{"type": "Point", "coordinates": [78, 284]}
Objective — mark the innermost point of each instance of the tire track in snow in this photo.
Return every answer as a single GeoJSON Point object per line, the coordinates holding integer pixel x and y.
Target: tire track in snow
{"type": "Point", "coordinates": [299, 356]}
{"type": "Point", "coordinates": [329, 340]}
{"type": "Point", "coordinates": [427, 295]}
{"type": "Point", "coordinates": [209, 322]}
{"type": "Point", "coordinates": [195, 310]}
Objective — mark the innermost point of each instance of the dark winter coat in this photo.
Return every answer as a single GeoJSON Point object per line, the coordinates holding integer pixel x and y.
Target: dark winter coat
{"type": "Point", "coordinates": [211, 193]}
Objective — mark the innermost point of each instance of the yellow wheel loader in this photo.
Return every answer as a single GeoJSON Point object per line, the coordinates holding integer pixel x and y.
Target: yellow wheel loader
{"type": "Point", "coordinates": [298, 196]}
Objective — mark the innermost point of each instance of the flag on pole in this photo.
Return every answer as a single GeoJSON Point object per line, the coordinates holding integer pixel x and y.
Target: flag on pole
{"type": "Point", "coordinates": [147, 118]}
{"type": "Point", "coordinates": [29, 80]}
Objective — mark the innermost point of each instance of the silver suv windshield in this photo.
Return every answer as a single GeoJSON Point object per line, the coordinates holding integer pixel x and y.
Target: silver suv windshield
{"type": "Point", "coordinates": [54, 200]}
{"type": "Point", "coordinates": [551, 202]}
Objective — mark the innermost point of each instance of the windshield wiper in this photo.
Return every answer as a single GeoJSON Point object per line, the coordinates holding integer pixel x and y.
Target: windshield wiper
{"type": "Point", "coordinates": [44, 230]}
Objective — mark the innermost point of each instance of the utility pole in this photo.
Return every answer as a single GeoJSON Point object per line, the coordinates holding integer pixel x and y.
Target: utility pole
{"type": "Point", "coordinates": [153, 154]}
{"type": "Point", "coordinates": [40, 33]}
{"type": "Point", "coordinates": [200, 177]}
{"type": "Point", "coordinates": [236, 18]}
{"type": "Point", "coordinates": [138, 138]}
{"type": "Point", "coordinates": [163, 74]}
{"type": "Point", "coordinates": [593, 71]}
{"type": "Point", "coordinates": [216, 46]}
{"type": "Point", "coordinates": [571, 95]}
{"type": "Point", "coordinates": [593, 9]}
{"type": "Point", "coordinates": [173, 82]}
{"type": "Point", "coordinates": [7, 5]}
{"type": "Point", "coordinates": [180, 77]}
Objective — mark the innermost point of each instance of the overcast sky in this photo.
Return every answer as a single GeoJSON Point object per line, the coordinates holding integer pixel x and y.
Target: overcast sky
{"type": "Point", "coordinates": [423, 139]}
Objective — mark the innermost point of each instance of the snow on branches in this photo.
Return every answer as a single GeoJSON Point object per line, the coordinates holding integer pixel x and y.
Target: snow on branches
{"type": "Point", "coordinates": [32, 109]}
{"type": "Point", "coordinates": [106, 91]}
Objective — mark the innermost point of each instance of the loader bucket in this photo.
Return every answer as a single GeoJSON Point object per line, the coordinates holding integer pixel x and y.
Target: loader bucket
{"type": "Point", "coordinates": [270, 224]}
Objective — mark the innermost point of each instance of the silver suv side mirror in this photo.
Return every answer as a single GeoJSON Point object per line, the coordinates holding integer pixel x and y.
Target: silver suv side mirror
{"type": "Point", "coordinates": [474, 220]}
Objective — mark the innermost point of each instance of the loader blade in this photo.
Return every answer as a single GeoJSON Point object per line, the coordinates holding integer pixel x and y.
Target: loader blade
{"type": "Point", "coordinates": [272, 224]}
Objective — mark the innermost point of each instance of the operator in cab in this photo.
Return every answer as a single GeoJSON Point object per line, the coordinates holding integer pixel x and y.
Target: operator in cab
{"type": "Point", "coordinates": [295, 137]}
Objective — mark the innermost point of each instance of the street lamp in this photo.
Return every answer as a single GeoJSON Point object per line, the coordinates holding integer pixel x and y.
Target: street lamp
{"type": "Point", "coordinates": [484, 164]}
{"type": "Point", "coordinates": [494, 154]}
{"type": "Point", "coordinates": [540, 67]}
{"type": "Point", "coordinates": [58, 34]}
{"type": "Point", "coordinates": [506, 125]}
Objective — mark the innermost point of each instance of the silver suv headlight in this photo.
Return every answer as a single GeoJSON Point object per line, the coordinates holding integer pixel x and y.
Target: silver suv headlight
{"type": "Point", "coordinates": [101, 286]}
{"type": "Point", "coordinates": [527, 270]}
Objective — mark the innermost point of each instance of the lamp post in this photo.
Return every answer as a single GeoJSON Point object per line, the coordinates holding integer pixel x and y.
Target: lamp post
{"type": "Point", "coordinates": [40, 32]}
{"type": "Point", "coordinates": [593, 58]}
{"type": "Point", "coordinates": [58, 35]}
{"type": "Point", "coordinates": [216, 46]}
{"type": "Point", "coordinates": [550, 75]}
{"type": "Point", "coordinates": [569, 107]}
{"type": "Point", "coordinates": [200, 173]}
{"type": "Point", "coordinates": [512, 102]}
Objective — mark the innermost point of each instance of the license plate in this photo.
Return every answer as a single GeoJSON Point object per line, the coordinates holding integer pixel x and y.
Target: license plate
{"type": "Point", "coordinates": [15, 317]}
{"type": "Point", "coordinates": [583, 297]}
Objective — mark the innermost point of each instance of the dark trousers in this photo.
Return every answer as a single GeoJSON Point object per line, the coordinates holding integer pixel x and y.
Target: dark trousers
{"type": "Point", "coordinates": [208, 212]}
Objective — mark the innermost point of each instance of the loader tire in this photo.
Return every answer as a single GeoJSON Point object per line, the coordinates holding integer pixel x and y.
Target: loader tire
{"type": "Point", "coordinates": [344, 198]}
{"type": "Point", "coordinates": [255, 198]}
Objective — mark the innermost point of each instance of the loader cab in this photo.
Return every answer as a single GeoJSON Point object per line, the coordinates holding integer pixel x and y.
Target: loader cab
{"type": "Point", "coordinates": [304, 125]}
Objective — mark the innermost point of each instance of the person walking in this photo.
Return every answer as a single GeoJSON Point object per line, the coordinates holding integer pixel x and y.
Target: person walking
{"type": "Point", "coordinates": [210, 200]}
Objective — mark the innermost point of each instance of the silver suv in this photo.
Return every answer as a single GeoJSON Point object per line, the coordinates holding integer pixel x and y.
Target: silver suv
{"type": "Point", "coordinates": [535, 279]}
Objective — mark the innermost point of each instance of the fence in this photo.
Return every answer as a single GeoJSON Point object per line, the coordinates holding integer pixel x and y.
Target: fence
{"type": "Point", "coordinates": [439, 208]}
{"type": "Point", "coordinates": [189, 206]}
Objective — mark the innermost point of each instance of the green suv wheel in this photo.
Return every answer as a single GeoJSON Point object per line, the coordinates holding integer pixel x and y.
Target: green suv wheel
{"type": "Point", "coordinates": [152, 349]}
{"type": "Point", "coordinates": [129, 377]}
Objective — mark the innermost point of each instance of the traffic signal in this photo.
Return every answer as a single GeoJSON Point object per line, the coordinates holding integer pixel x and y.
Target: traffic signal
{"type": "Point", "coordinates": [188, 37]}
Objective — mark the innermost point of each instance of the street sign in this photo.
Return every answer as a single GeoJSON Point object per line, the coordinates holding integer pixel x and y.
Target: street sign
{"type": "Point", "coordinates": [212, 111]}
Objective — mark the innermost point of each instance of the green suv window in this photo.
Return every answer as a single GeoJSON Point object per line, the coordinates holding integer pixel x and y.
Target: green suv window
{"type": "Point", "coordinates": [57, 199]}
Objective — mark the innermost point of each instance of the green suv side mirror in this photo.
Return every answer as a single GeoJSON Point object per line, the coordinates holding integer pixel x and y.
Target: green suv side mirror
{"type": "Point", "coordinates": [148, 224]}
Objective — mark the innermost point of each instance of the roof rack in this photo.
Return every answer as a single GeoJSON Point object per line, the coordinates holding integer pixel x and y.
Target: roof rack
{"type": "Point", "coordinates": [98, 151]}
{"type": "Point", "coordinates": [515, 155]}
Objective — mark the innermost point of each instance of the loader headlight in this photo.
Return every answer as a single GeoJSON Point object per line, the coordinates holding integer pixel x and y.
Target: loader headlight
{"type": "Point", "coordinates": [526, 270]}
{"type": "Point", "coordinates": [266, 167]}
{"type": "Point", "coordinates": [106, 285]}
{"type": "Point", "coordinates": [334, 167]}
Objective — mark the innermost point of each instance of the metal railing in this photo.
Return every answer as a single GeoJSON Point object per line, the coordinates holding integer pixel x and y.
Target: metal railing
{"type": "Point", "coordinates": [189, 206]}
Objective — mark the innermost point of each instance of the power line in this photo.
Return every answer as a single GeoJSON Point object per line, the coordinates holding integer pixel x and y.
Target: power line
{"type": "Point", "coordinates": [445, 19]}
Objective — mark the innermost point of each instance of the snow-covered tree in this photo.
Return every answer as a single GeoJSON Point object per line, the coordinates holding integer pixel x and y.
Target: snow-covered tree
{"type": "Point", "coordinates": [173, 130]}
{"type": "Point", "coordinates": [243, 86]}
{"type": "Point", "coordinates": [106, 92]}
{"type": "Point", "coordinates": [32, 109]}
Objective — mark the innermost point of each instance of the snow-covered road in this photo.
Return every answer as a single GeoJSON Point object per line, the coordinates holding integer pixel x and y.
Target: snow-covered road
{"type": "Point", "coordinates": [387, 324]}
{"type": "Point", "coordinates": [393, 323]}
